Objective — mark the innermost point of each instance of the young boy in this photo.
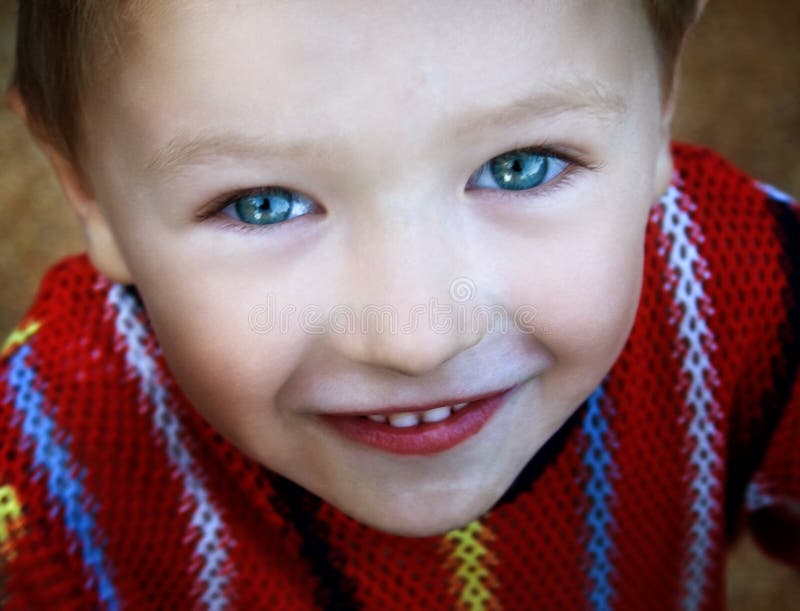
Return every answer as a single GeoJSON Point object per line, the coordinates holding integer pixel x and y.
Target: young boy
{"type": "Point", "coordinates": [589, 383]}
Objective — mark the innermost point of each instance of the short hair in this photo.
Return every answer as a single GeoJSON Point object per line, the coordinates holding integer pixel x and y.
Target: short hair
{"type": "Point", "coordinates": [671, 20]}
{"type": "Point", "coordinates": [65, 48]}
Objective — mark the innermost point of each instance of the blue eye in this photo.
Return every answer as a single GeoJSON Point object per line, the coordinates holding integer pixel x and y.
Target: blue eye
{"type": "Point", "coordinates": [267, 206]}
{"type": "Point", "coordinates": [517, 171]}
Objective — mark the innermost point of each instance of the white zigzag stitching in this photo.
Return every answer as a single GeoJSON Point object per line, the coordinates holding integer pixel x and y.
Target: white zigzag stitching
{"type": "Point", "coordinates": [205, 517]}
{"type": "Point", "coordinates": [689, 269]}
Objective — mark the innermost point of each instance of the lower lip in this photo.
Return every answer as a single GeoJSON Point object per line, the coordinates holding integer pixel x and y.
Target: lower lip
{"type": "Point", "coordinates": [424, 438]}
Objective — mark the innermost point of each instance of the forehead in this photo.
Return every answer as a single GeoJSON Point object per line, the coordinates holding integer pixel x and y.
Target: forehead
{"type": "Point", "coordinates": [295, 64]}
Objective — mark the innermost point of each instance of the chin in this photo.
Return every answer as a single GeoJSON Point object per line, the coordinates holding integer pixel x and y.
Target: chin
{"type": "Point", "coordinates": [417, 528]}
{"type": "Point", "coordinates": [421, 517]}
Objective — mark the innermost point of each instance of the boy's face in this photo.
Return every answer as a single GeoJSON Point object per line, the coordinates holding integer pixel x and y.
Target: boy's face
{"type": "Point", "coordinates": [380, 114]}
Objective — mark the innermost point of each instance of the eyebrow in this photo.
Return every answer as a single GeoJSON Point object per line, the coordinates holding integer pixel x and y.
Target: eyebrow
{"type": "Point", "coordinates": [579, 95]}
{"type": "Point", "coordinates": [548, 101]}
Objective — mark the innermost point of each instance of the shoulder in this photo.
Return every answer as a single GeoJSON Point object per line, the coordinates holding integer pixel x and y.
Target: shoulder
{"type": "Point", "coordinates": [57, 326]}
{"type": "Point", "coordinates": [44, 359]}
{"type": "Point", "coordinates": [737, 240]}
{"type": "Point", "coordinates": [745, 233]}
{"type": "Point", "coordinates": [68, 293]}
{"type": "Point", "coordinates": [746, 229]}
{"type": "Point", "coordinates": [740, 231]}
{"type": "Point", "coordinates": [44, 364]}
{"type": "Point", "coordinates": [60, 347]}
{"type": "Point", "coordinates": [61, 394]}
{"type": "Point", "coordinates": [723, 194]}
{"type": "Point", "coordinates": [724, 252]}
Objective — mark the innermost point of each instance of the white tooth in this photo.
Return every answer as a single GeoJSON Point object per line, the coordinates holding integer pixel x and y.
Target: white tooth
{"type": "Point", "coordinates": [404, 420]}
{"type": "Point", "coordinates": [459, 406]}
{"type": "Point", "coordinates": [377, 418]}
{"type": "Point", "coordinates": [437, 414]}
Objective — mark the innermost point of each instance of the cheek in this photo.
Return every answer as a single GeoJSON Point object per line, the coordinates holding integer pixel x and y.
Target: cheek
{"type": "Point", "coordinates": [588, 304]}
{"type": "Point", "coordinates": [215, 340]}
{"type": "Point", "coordinates": [590, 315]}
{"type": "Point", "coordinates": [583, 282]}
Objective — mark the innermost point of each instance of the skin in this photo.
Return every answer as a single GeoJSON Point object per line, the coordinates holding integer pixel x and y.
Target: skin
{"type": "Point", "coordinates": [381, 90]}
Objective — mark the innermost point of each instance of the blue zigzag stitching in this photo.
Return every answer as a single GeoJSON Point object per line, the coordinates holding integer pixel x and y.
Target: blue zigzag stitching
{"type": "Point", "coordinates": [599, 490]}
{"type": "Point", "coordinates": [64, 482]}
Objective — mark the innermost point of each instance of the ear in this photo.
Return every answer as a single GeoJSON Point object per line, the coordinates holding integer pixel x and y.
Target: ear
{"type": "Point", "coordinates": [701, 6]}
{"type": "Point", "coordinates": [101, 244]}
{"type": "Point", "coordinates": [664, 166]}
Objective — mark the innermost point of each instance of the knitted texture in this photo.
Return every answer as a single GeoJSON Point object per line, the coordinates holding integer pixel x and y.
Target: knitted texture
{"type": "Point", "coordinates": [115, 493]}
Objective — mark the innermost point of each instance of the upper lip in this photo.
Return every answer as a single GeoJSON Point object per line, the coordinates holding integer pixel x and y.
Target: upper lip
{"type": "Point", "coordinates": [422, 407]}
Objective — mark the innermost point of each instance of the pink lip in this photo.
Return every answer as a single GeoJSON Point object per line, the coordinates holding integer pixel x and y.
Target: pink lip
{"type": "Point", "coordinates": [424, 438]}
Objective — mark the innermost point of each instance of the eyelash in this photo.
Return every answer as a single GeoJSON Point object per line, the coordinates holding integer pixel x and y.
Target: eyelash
{"type": "Point", "coordinates": [576, 163]}
{"type": "Point", "coordinates": [213, 211]}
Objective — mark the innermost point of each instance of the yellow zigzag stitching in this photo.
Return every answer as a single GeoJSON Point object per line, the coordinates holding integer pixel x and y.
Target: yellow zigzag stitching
{"type": "Point", "coordinates": [19, 336]}
{"type": "Point", "coordinates": [472, 561]}
{"type": "Point", "coordinates": [10, 521]}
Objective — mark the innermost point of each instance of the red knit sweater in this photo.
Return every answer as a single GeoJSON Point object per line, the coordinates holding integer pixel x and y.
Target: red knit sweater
{"type": "Point", "coordinates": [115, 493]}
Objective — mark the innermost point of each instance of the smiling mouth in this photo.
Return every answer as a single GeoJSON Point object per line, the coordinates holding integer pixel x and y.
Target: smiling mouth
{"type": "Point", "coordinates": [422, 432]}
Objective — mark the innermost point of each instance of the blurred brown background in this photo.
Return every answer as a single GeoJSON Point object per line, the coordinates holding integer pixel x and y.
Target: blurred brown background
{"type": "Point", "coordinates": [740, 95]}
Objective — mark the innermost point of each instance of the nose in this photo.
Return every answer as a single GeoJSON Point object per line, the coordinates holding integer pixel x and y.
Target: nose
{"type": "Point", "coordinates": [411, 295]}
